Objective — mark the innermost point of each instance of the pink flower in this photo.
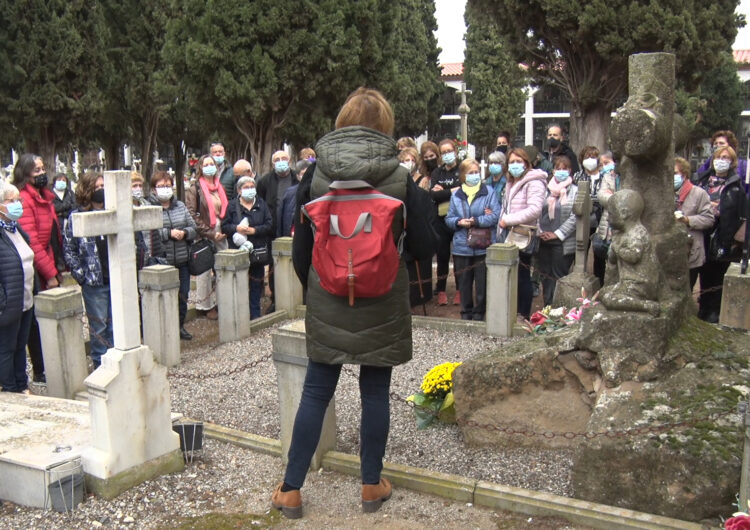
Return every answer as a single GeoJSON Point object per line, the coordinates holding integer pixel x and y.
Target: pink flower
{"type": "Point", "coordinates": [538, 318]}
{"type": "Point", "coordinates": [574, 314]}
{"type": "Point", "coordinates": [738, 522]}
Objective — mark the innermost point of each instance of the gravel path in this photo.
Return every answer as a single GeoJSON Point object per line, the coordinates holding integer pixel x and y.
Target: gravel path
{"type": "Point", "coordinates": [228, 479]}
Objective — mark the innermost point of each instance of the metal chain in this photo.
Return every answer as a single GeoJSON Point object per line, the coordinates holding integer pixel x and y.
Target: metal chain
{"type": "Point", "coordinates": [231, 371]}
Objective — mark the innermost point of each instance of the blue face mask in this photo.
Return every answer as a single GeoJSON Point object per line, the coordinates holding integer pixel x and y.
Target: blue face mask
{"type": "Point", "coordinates": [677, 181]}
{"type": "Point", "coordinates": [209, 171]}
{"type": "Point", "coordinates": [516, 169]}
{"type": "Point", "coordinates": [249, 193]}
{"type": "Point", "coordinates": [496, 169]}
{"type": "Point", "coordinates": [608, 168]}
{"type": "Point", "coordinates": [472, 179]}
{"type": "Point", "coordinates": [15, 210]}
{"type": "Point", "coordinates": [561, 174]}
{"type": "Point", "coordinates": [60, 185]}
{"type": "Point", "coordinates": [281, 166]}
{"type": "Point", "coordinates": [449, 158]}
{"type": "Point", "coordinates": [219, 160]}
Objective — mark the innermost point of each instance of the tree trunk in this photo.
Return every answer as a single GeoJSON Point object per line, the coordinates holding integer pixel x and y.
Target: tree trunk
{"type": "Point", "coordinates": [149, 126]}
{"type": "Point", "coordinates": [46, 147]}
{"type": "Point", "coordinates": [180, 162]}
{"type": "Point", "coordinates": [112, 153]}
{"type": "Point", "coordinates": [590, 127]}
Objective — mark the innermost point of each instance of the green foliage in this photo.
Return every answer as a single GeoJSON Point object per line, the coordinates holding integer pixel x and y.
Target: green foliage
{"type": "Point", "coordinates": [52, 64]}
{"type": "Point", "coordinates": [496, 81]}
{"type": "Point", "coordinates": [583, 46]}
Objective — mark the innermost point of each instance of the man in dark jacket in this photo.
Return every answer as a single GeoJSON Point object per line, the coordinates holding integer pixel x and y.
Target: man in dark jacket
{"type": "Point", "coordinates": [223, 169]}
{"type": "Point", "coordinates": [558, 147]}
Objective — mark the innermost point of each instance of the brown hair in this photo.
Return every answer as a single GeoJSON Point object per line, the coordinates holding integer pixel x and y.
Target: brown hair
{"type": "Point", "coordinates": [160, 175]}
{"type": "Point", "coordinates": [729, 135]}
{"type": "Point", "coordinates": [368, 108]}
{"type": "Point", "coordinates": [522, 154]}
{"type": "Point", "coordinates": [562, 161]}
{"type": "Point", "coordinates": [136, 177]}
{"type": "Point", "coordinates": [590, 151]}
{"type": "Point", "coordinates": [683, 166]}
{"type": "Point", "coordinates": [409, 151]}
{"type": "Point", "coordinates": [85, 189]}
{"type": "Point", "coordinates": [446, 141]}
{"type": "Point", "coordinates": [404, 142]}
{"type": "Point", "coordinates": [305, 153]}
{"type": "Point", "coordinates": [731, 152]}
{"type": "Point", "coordinates": [427, 146]}
{"type": "Point", "coordinates": [22, 172]}
{"type": "Point", "coordinates": [463, 169]}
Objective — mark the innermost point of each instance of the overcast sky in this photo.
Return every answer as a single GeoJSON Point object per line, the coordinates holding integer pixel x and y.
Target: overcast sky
{"type": "Point", "coordinates": [451, 29]}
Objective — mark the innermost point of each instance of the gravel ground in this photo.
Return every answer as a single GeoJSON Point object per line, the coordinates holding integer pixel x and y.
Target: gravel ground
{"type": "Point", "coordinates": [228, 479]}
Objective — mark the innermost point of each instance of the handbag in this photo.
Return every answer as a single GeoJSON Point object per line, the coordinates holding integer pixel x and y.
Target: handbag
{"type": "Point", "coordinates": [478, 237]}
{"type": "Point", "coordinates": [524, 237]}
{"type": "Point", "coordinates": [260, 256]}
{"type": "Point", "coordinates": [201, 256]}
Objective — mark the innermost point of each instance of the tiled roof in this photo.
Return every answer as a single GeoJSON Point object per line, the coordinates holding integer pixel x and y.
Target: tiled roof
{"type": "Point", "coordinates": [742, 56]}
{"type": "Point", "coordinates": [452, 70]}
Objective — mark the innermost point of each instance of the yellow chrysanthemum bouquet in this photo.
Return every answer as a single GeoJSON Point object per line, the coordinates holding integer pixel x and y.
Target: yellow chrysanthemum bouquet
{"type": "Point", "coordinates": [435, 400]}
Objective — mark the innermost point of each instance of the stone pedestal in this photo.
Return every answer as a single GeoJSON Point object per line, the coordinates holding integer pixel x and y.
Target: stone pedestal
{"type": "Point", "coordinates": [159, 310]}
{"type": "Point", "coordinates": [502, 289]}
{"type": "Point", "coordinates": [288, 289]}
{"type": "Point", "coordinates": [290, 359]}
{"type": "Point", "coordinates": [735, 299]}
{"type": "Point", "coordinates": [59, 312]}
{"type": "Point", "coordinates": [233, 294]}
{"type": "Point", "coordinates": [568, 288]}
{"type": "Point", "coordinates": [132, 437]}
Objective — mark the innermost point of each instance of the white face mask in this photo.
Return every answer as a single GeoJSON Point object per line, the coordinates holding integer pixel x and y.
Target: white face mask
{"type": "Point", "coordinates": [590, 164]}
{"type": "Point", "coordinates": [721, 166]}
{"type": "Point", "coordinates": [409, 165]}
{"type": "Point", "coordinates": [137, 193]}
{"type": "Point", "coordinates": [164, 194]}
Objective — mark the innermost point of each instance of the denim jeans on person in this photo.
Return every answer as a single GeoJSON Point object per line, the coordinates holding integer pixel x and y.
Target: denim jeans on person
{"type": "Point", "coordinates": [184, 292]}
{"type": "Point", "coordinates": [13, 338]}
{"type": "Point", "coordinates": [319, 387]}
{"type": "Point", "coordinates": [257, 273]}
{"type": "Point", "coordinates": [98, 305]}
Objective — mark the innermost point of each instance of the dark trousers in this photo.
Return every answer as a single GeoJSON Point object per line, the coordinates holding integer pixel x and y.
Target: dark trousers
{"type": "Point", "coordinates": [13, 339]}
{"type": "Point", "coordinates": [184, 292]}
{"type": "Point", "coordinates": [35, 347]}
{"type": "Point", "coordinates": [553, 265]}
{"type": "Point", "coordinates": [320, 385]}
{"type": "Point", "coordinates": [472, 273]}
{"type": "Point", "coordinates": [257, 272]}
{"type": "Point", "coordinates": [712, 277]}
{"type": "Point", "coordinates": [693, 277]}
{"type": "Point", "coordinates": [443, 256]}
{"type": "Point", "coordinates": [525, 290]}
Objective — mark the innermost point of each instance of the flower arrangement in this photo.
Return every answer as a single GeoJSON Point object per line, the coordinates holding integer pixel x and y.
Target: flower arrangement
{"type": "Point", "coordinates": [548, 319]}
{"type": "Point", "coordinates": [738, 521]}
{"type": "Point", "coordinates": [462, 148]}
{"type": "Point", "coordinates": [435, 399]}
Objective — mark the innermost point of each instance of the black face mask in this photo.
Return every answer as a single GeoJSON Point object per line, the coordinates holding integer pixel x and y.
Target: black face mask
{"type": "Point", "coordinates": [430, 163]}
{"type": "Point", "coordinates": [554, 143]}
{"type": "Point", "coordinates": [40, 181]}
{"type": "Point", "coordinates": [502, 149]}
{"type": "Point", "coordinates": [98, 196]}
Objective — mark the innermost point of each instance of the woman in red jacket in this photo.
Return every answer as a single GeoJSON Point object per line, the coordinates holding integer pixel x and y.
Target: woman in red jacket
{"type": "Point", "coordinates": [39, 221]}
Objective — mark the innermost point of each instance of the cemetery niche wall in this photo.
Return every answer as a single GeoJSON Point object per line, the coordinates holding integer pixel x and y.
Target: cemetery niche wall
{"type": "Point", "coordinates": [642, 391]}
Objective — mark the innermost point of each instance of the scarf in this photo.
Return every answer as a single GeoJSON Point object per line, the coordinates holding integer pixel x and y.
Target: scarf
{"type": "Point", "coordinates": [207, 188]}
{"type": "Point", "coordinates": [557, 189]}
{"type": "Point", "coordinates": [470, 191]}
{"type": "Point", "coordinates": [684, 190]}
{"type": "Point", "coordinates": [10, 226]}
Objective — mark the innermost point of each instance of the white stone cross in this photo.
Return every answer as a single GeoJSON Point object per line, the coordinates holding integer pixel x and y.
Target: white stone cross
{"type": "Point", "coordinates": [119, 222]}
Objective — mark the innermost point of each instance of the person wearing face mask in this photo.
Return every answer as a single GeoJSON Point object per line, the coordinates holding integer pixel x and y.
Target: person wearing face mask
{"type": "Point", "coordinates": [285, 216]}
{"type": "Point", "coordinates": [443, 182]}
{"type": "Point", "coordinates": [248, 226]}
{"type": "Point", "coordinates": [224, 170]}
{"type": "Point", "coordinates": [473, 205]}
{"type": "Point", "coordinates": [178, 231]}
{"type": "Point", "coordinates": [556, 146]}
{"type": "Point", "coordinates": [64, 200]}
{"type": "Point", "coordinates": [693, 209]}
{"type": "Point", "coordinates": [148, 242]}
{"type": "Point", "coordinates": [503, 142]}
{"type": "Point", "coordinates": [557, 225]}
{"type": "Point", "coordinates": [429, 154]}
{"type": "Point", "coordinates": [409, 158]}
{"type": "Point", "coordinates": [88, 261]}
{"type": "Point", "coordinates": [207, 203]}
{"type": "Point", "coordinates": [497, 180]}
{"type": "Point", "coordinates": [724, 188]}
{"type": "Point", "coordinates": [17, 286]}
{"type": "Point", "coordinates": [40, 222]}
{"type": "Point", "coordinates": [589, 159]}
{"type": "Point", "coordinates": [610, 183]}
{"type": "Point", "coordinates": [522, 204]}
{"type": "Point", "coordinates": [721, 139]}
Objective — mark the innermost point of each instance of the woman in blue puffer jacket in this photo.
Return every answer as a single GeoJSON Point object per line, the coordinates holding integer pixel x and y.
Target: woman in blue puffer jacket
{"type": "Point", "coordinates": [471, 206]}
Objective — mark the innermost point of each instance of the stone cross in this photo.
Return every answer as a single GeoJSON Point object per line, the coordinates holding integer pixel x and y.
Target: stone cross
{"type": "Point", "coordinates": [582, 210]}
{"type": "Point", "coordinates": [463, 111]}
{"type": "Point", "coordinates": [119, 221]}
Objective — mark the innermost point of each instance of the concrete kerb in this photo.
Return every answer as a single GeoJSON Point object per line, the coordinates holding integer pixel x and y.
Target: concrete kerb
{"type": "Point", "coordinates": [480, 493]}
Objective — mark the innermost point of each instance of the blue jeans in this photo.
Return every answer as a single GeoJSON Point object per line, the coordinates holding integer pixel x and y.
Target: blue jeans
{"type": "Point", "coordinates": [320, 385]}
{"type": "Point", "coordinates": [182, 298]}
{"type": "Point", "coordinates": [13, 339]}
{"type": "Point", "coordinates": [99, 312]}
{"type": "Point", "coordinates": [257, 272]}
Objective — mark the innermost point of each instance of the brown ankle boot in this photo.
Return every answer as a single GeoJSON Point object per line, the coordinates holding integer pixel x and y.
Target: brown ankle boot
{"type": "Point", "coordinates": [289, 502]}
{"type": "Point", "coordinates": [373, 495]}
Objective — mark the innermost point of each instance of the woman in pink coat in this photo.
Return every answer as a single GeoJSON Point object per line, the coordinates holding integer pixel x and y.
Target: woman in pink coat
{"type": "Point", "coordinates": [522, 204]}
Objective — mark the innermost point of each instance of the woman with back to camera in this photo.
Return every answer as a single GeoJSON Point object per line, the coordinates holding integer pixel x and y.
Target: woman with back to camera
{"type": "Point", "coordinates": [374, 332]}
{"type": "Point", "coordinates": [524, 197]}
{"type": "Point", "coordinates": [17, 286]}
{"type": "Point", "coordinates": [474, 205]}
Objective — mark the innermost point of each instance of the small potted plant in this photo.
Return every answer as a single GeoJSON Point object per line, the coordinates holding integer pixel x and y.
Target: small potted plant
{"type": "Point", "coordinates": [435, 399]}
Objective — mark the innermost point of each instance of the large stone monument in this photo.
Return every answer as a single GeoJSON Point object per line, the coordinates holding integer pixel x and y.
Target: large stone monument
{"type": "Point", "coordinates": [129, 398]}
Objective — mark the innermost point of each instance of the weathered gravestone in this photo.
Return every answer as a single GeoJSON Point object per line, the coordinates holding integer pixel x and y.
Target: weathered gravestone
{"type": "Point", "coordinates": [129, 398]}
{"type": "Point", "coordinates": [643, 390]}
